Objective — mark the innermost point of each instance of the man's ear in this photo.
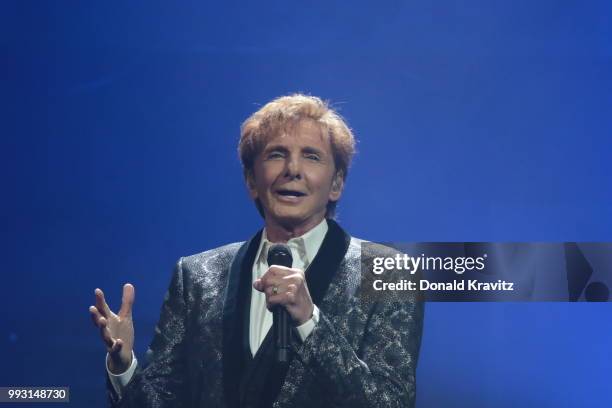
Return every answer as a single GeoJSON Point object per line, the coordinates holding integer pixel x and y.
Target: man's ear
{"type": "Point", "coordinates": [337, 186]}
{"type": "Point", "coordinates": [250, 182]}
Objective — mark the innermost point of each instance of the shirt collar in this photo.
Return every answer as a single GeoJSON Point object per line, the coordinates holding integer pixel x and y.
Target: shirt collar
{"type": "Point", "coordinates": [306, 245]}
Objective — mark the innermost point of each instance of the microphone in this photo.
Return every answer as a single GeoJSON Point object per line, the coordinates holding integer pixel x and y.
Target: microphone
{"type": "Point", "coordinates": [279, 254]}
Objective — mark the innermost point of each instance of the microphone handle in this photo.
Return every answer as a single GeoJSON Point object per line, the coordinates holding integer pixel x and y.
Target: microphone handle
{"type": "Point", "coordinates": [282, 330]}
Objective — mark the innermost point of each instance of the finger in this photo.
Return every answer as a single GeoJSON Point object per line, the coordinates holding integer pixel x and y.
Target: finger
{"type": "Point", "coordinates": [258, 285]}
{"type": "Point", "coordinates": [116, 347]}
{"type": "Point", "coordinates": [95, 315]}
{"type": "Point", "coordinates": [271, 292]}
{"type": "Point", "coordinates": [270, 281]}
{"type": "Point", "coordinates": [127, 300]}
{"type": "Point", "coordinates": [277, 270]}
{"type": "Point", "coordinates": [274, 300]}
{"type": "Point", "coordinates": [101, 303]}
{"type": "Point", "coordinates": [105, 333]}
{"type": "Point", "coordinates": [295, 279]}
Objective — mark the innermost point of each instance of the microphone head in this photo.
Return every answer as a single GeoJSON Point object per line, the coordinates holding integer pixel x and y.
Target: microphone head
{"type": "Point", "coordinates": [280, 254]}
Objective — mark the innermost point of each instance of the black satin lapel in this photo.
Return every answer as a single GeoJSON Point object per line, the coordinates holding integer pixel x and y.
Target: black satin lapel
{"type": "Point", "coordinates": [325, 264]}
{"type": "Point", "coordinates": [240, 271]}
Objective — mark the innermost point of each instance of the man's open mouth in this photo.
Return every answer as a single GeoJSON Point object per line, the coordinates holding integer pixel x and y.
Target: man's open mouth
{"type": "Point", "coordinates": [290, 193]}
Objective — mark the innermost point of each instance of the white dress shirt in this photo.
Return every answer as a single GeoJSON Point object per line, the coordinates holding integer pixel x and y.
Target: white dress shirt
{"type": "Point", "coordinates": [303, 249]}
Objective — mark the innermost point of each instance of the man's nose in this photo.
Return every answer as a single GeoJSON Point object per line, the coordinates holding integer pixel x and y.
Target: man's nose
{"type": "Point", "coordinates": [293, 168]}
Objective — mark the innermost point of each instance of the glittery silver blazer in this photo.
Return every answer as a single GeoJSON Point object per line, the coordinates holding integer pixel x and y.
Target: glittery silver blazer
{"type": "Point", "coordinates": [362, 353]}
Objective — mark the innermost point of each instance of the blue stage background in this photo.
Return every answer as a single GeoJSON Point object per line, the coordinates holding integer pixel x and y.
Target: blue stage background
{"type": "Point", "coordinates": [476, 121]}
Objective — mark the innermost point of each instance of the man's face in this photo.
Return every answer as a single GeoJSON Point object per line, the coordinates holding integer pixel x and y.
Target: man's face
{"type": "Point", "coordinates": [294, 177]}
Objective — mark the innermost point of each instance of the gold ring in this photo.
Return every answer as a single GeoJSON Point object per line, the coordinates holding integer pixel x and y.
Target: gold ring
{"type": "Point", "coordinates": [275, 290]}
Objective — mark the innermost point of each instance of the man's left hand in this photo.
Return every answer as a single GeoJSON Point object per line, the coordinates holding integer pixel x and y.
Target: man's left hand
{"type": "Point", "coordinates": [287, 287]}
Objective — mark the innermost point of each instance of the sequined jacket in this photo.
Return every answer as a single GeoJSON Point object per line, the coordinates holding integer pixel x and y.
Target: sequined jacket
{"type": "Point", "coordinates": [362, 353]}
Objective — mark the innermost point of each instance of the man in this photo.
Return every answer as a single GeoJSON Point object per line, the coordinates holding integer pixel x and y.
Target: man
{"type": "Point", "coordinates": [213, 344]}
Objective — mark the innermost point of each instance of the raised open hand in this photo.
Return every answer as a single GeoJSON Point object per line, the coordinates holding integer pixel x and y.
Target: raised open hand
{"type": "Point", "coordinates": [116, 330]}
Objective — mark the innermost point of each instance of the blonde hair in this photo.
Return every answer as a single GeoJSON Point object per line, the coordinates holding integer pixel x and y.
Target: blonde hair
{"type": "Point", "coordinates": [286, 111]}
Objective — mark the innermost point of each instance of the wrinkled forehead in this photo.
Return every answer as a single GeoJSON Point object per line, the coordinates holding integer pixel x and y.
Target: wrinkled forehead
{"type": "Point", "coordinates": [302, 129]}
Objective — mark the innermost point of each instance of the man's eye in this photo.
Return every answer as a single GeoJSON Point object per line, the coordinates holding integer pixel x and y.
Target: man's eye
{"type": "Point", "coordinates": [275, 155]}
{"type": "Point", "coordinates": [314, 157]}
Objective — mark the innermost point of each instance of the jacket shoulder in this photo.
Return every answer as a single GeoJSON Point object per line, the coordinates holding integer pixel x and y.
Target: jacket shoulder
{"type": "Point", "coordinates": [224, 251]}
{"type": "Point", "coordinates": [360, 253]}
{"type": "Point", "coordinates": [209, 262]}
{"type": "Point", "coordinates": [360, 247]}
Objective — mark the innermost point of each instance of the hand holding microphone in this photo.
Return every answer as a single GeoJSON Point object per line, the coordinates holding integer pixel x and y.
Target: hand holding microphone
{"type": "Point", "coordinates": [287, 296]}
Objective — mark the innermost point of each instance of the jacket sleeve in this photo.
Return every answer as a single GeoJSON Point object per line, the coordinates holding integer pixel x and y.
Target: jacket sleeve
{"type": "Point", "coordinates": [162, 383]}
{"type": "Point", "coordinates": [381, 370]}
